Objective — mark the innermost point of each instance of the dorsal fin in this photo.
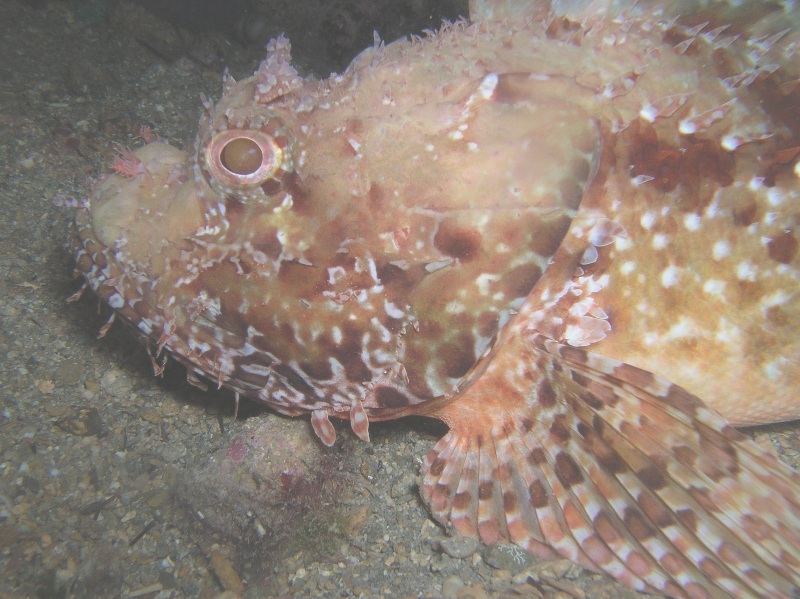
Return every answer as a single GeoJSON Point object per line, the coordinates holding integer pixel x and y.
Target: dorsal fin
{"type": "Point", "coordinates": [491, 10]}
{"type": "Point", "coordinates": [516, 10]}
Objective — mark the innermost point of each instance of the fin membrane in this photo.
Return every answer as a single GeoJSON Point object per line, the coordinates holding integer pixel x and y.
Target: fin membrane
{"type": "Point", "coordinates": [620, 471]}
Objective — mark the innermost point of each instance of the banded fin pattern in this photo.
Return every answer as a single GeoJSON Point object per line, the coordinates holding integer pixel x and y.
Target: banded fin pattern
{"type": "Point", "coordinates": [620, 471]}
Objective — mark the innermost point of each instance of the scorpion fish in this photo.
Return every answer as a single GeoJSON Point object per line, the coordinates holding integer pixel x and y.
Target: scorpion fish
{"type": "Point", "coordinates": [568, 230]}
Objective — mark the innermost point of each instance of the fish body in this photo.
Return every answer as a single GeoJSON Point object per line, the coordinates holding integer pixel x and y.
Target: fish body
{"type": "Point", "coordinates": [568, 231]}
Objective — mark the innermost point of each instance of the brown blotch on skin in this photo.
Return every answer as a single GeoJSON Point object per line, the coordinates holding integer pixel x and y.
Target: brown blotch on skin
{"type": "Point", "coordinates": [685, 455]}
{"type": "Point", "coordinates": [637, 525]}
{"type": "Point", "coordinates": [519, 281]}
{"type": "Point", "coordinates": [537, 456]}
{"type": "Point", "coordinates": [604, 527]}
{"type": "Point", "coordinates": [731, 433]}
{"type": "Point", "coordinates": [485, 490]}
{"type": "Point", "coordinates": [567, 470]}
{"type": "Point", "coordinates": [694, 163]}
{"type": "Point", "coordinates": [547, 237]}
{"type": "Point", "coordinates": [320, 370]}
{"type": "Point", "coordinates": [573, 354]}
{"type": "Point", "coordinates": [598, 424]}
{"type": "Point", "coordinates": [603, 393]}
{"type": "Point", "coordinates": [461, 501]}
{"type": "Point", "coordinates": [271, 186]}
{"type": "Point", "coordinates": [682, 399]}
{"type": "Point", "coordinates": [545, 394]}
{"type": "Point", "coordinates": [84, 263]}
{"type": "Point", "coordinates": [580, 167]}
{"type": "Point", "coordinates": [724, 65]}
{"type": "Point", "coordinates": [538, 494]}
{"type": "Point", "coordinates": [779, 98]}
{"type": "Point", "coordinates": [746, 215]}
{"type": "Point", "coordinates": [301, 203]}
{"type": "Point", "coordinates": [512, 88]}
{"type": "Point", "coordinates": [294, 379]}
{"type": "Point", "coordinates": [354, 126]}
{"type": "Point", "coordinates": [559, 429]}
{"type": "Point", "coordinates": [349, 355]}
{"type": "Point", "coordinates": [266, 241]}
{"type": "Point", "coordinates": [571, 192]}
{"type": "Point", "coordinates": [579, 379]}
{"type": "Point", "coordinates": [375, 195]}
{"type": "Point", "coordinates": [297, 275]}
{"type": "Point", "coordinates": [674, 36]}
{"type": "Point", "coordinates": [779, 163]}
{"type": "Point", "coordinates": [488, 323]}
{"type": "Point", "coordinates": [437, 467]}
{"type": "Point", "coordinates": [715, 437]}
{"type": "Point", "coordinates": [608, 458]}
{"type": "Point", "coordinates": [399, 281]}
{"type": "Point", "coordinates": [655, 510]}
{"type": "Point", "coordinates": [777, 316]}
{"type": "Point", "coordinates": [688, 519]}
{"type": "Point", "coordinates": [653, 477]}
{"type": "Point", "coordinates": [633, 375]}
{"type": "Point", "coordinates": [782, 248]}
{"type": "Point", "coordinates": [703, 496]}
{"type": "Point", "coordinates": [527, 424]}
{"type": "Point", "coordinates": [233, 208]}
{"type": "Point", "coordinates": [565, 30]}
{"type": "Point", "coordinates": [347, 150]}
{"type": "Point", "coordinates": [509, 501]}
{"type": "Point", "coordinates": [457, 357]}
{"type": "Point", "coordinates": [457, 242]}
{"type": "Point", "coordinates": [388, 397]}
{"type": "Point", "coordinates": [712, 569]}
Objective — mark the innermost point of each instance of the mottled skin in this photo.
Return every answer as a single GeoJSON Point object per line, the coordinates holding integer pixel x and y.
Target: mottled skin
{"type": "Point", "coordinates": [441, 229]}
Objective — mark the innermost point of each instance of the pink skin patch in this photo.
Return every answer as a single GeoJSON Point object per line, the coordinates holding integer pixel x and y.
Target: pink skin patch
{"type": "Point", "coordinates": [127, 164]}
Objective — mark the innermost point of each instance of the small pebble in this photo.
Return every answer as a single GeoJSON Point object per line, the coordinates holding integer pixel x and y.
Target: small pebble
{"type": "Point", "coordinates": [458, 547]}
{"type": "Point", "coordinates": [451, 586]}
{"type": "Point", "coordinates": [226, 573]}
{"type": "Point", "coordinates": [505, 556]}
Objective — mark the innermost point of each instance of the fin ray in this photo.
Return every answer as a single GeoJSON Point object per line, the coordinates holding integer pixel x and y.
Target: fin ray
{"type": "Point", "coordinates": [618, 470]}
{"type": "Point", "coordinates": [720, 460]}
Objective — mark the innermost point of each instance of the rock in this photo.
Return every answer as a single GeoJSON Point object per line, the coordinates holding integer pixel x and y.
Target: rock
{"type": "Point", "coordinates": [82, 422]}
{"type": "Point", "coordinates": [458, 546]}
{"type": "Point", "coordinates": [505, 556]}
{"type": "Point", "coordinates": [451, 586]}
{"type": "Point", "coordinates": [226, 573]}
{"type": "Point", "coordinates": [473, 591]}
{"type": "Point", "coordinates": [116, 383]}
{"type": "Point", "coordinates": [554, 569]}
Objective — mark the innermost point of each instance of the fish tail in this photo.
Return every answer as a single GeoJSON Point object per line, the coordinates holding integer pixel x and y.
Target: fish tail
{"type": "Point", "coordinates": [610, 466]}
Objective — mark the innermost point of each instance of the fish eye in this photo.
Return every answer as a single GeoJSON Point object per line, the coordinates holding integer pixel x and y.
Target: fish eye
{"type": "Point", "coordinates": [242, 158]}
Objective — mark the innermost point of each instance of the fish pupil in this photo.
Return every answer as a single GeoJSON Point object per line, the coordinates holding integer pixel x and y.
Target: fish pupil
{"type": "Point", "coordinates": [241, 156]}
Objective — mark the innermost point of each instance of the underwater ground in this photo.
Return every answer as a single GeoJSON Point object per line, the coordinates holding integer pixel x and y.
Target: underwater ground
{"type": "Point", "coordinates": [114, 483]}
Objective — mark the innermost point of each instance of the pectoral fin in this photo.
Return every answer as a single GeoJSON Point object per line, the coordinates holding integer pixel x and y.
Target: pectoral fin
{"type": "Point", "coordinates": [618, 470]}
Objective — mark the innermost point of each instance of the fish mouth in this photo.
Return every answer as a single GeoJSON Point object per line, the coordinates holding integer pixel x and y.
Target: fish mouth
{"type": "Point", "coordinates": [131, 227]}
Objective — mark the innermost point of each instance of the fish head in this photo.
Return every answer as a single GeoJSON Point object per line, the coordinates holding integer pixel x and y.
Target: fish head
{"type": "Point", "coordinates": [367, 236]}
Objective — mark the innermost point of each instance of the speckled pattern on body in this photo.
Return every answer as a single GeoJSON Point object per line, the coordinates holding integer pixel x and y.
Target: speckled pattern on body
{"type": "Point", "coordinates": [568, 232]}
